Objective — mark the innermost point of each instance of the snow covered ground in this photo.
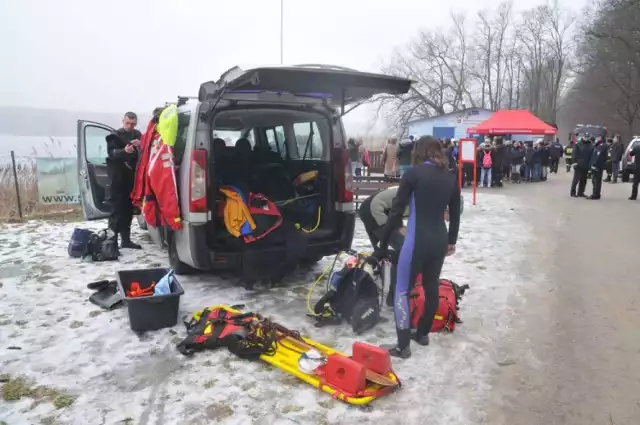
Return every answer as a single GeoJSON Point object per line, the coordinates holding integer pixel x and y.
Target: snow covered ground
{"type": "Point", "coordinates": [71, 345]}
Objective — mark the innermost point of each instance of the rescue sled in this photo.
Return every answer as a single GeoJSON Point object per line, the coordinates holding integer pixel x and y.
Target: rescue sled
{"type": "Point", "coordinates": [357, 379]}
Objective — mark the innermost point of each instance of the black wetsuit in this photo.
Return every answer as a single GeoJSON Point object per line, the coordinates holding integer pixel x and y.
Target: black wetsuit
{"type": "Point", "coordinates": [121, 167]}
{"type": "Point", "coordinates": [428, 191]}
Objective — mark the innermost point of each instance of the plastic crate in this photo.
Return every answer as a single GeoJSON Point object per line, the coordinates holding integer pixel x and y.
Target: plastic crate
{"type": "Point", "coordinates": [152, 312]}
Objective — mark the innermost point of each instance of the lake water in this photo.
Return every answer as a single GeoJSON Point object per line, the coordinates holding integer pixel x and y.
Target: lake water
{"type": "Point", "coordinates": [26, 147]}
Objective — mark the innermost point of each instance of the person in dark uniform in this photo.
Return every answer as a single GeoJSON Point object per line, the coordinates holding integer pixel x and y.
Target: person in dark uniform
{"type": "Point", "coordinates": [545, 160]}
{"type": "Point", "coordinates": [568, 154]}
{"type": "Point", "coordinates": [555, 152]}
{"type": "Point", "coordinates": [122, 150]}
{"type": "Point", "coordinates": [635, 152]}
{"type": "Point", "coordinates": [581, 163]}
{"type": "Point", "coordinates": [427, 188]}
{"type": "Point", "coordinates": [374, 213]}
{"type": "Point", "coordinates": [598, 163]}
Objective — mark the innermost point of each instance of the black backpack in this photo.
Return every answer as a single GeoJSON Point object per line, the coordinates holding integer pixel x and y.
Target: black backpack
{"type": "Point", "coordinates": [353, 296]}
{"type": "Point", "coordinates": [103, 246]}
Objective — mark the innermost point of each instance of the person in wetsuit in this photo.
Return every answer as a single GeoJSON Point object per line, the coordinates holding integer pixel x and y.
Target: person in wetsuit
{"type": "Point", "coordinates": [427, 188]}
{"type": "Point", "coordinates": [122, 150]}
{"type": "Point", "coordinates": [374, 213]}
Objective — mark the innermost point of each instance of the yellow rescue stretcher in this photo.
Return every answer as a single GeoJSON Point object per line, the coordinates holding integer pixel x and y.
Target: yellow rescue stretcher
{"type": "Point", "coordinates": [354, 379]}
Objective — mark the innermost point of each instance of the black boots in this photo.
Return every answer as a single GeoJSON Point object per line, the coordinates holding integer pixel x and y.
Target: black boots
{"type": "Point", "coordinates": [125, 240]}
{"type": "Point", "coordinates": [402, 349]}
{"type": "Point", "coordinates": [421, 339]}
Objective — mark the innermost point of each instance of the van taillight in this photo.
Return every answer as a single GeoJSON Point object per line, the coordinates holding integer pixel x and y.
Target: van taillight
{"type": "Point", "coordinates": [344, 177]}
{"type": "Point", "coordinates": [198, 182]}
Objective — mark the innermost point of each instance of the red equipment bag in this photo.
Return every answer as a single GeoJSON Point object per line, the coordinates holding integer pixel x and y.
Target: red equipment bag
{"type": "Point", "coordinates": [265, 214]}
{"type": "Point", "coordinates": [446, 315]}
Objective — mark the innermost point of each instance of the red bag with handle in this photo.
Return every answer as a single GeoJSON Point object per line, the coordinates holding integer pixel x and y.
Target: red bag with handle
{"type": "Point", "coordinates": [446, 315]}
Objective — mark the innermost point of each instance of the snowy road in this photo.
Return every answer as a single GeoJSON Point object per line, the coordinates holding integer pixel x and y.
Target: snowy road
{"type": "Point", "coordinates": [115, 377]}
{"type": "Point", "coordinates": [576, 344]}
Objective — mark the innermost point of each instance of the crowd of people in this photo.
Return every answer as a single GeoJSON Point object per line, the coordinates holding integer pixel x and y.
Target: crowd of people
{"type": "Point", "coordinates": [497, 160]}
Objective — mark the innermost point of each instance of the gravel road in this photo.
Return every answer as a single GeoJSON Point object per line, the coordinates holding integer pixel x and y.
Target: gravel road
{"type": "Point", "coordinates": [574, 355]}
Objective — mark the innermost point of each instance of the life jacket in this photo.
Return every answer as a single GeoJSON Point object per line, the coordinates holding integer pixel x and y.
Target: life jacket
{"type": "Point", "coordinates": [252, 219]}
{"type": "Point", "coordinates": [155, 191]}
{"type": "Point", "coordinates": [236, 214]}
{"type": "Point", "coordinates": [353, 296]}
{"type": "Point", "coordinates": [446, 315]}
{"type": "Point", "coordinates": [216, 327]}
{"type": "Point", "coordinates": [486, 160]}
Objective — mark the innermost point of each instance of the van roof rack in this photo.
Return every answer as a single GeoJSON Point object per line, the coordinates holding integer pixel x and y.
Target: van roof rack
{"type": "Point", "coordinates": [182, 100]}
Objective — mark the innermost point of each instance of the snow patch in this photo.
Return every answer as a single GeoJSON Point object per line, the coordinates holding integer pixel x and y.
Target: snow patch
{"type": "Point", "coordinates": [70, 344]}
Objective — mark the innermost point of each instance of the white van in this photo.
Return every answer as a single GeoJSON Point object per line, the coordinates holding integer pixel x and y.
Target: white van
{"type": "Point", "coordinates": [291, 117]}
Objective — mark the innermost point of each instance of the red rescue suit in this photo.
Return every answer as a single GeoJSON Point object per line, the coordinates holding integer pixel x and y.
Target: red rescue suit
{"type": "Point", "coordinates": [155, 191]}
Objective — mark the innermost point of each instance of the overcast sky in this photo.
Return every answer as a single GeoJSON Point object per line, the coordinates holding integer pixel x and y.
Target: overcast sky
{"type": "Point", "coordinates": [117, 55]}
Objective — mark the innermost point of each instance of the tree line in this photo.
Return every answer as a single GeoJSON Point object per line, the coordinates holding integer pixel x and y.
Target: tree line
{"type": "Point", "coordinates": [545, 59]}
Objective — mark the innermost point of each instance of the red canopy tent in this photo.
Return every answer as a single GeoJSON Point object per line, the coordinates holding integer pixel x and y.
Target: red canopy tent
{"type": "Point", "coordinates": [507, 121]}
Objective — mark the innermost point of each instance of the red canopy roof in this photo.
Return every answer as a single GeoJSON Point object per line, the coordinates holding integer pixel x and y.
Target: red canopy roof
{"type": "Point", "coordinates": [507, 121]}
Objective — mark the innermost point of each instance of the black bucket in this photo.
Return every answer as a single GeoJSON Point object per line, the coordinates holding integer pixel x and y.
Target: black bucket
{"type": "Point", "coordinates": [152, 312]}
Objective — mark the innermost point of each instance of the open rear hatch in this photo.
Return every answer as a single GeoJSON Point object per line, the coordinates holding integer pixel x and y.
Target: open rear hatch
{"type": "Point", "coordinates": [340, 86]}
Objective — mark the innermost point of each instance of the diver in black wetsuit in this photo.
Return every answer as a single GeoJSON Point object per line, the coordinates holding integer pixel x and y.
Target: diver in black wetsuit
{"type": "Point", "coordinates": [428, 189]}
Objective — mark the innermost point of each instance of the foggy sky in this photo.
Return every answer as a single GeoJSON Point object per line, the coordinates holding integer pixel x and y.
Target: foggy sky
{"type": "Point", "coordinates": [122, 55]}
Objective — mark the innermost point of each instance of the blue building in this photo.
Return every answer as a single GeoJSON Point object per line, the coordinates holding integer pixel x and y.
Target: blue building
{"type": "Point", "coordinates": [453, 125]}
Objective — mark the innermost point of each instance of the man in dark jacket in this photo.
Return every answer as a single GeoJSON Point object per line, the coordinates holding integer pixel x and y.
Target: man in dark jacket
{"type": "Point", "coordinates": [517, 161]}
{"type": "Point", "coordinates": [581, 163]}
{"type": "Point", "coordinates": [529, 158]}
{"type": "Point", "coordinates": [545, 160]}
{"type": "Point", "coordinates": [617, 151]}
{"type": "Point", "coordinates": [635, 152]}
{"type": "Point", "coordinates": [598, 163]}
{"type": "Point", "coordinates": [122, 150]}
{"type": "Point", "coordinates": [555, 153]}
{"type": "Point", "coordinates": [498, 158]}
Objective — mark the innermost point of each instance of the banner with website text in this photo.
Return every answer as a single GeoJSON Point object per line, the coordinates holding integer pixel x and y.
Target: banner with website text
{"type": "Point", "coordinates": [57, 180]}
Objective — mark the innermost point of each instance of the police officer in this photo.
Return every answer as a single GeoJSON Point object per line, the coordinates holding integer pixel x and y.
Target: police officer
{"type": "Point", "coordinates": [598, 163]}
{"type": "Point", "coordinates": [555, 152]}
{"type": "Point", "coordinates": [122, 149]}
{"type": "Point", "coordinates": [568, 153]}
{"type": "Point", "coordinates": [581, 163]}
{"type": "Point", "coordinates": [635, 152]}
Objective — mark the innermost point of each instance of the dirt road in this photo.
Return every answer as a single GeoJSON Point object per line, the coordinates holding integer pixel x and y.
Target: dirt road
{"type": "Point", "coordinates": [574, 357]}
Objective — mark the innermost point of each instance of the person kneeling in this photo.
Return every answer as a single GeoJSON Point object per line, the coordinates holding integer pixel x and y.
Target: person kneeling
{"type": "Point", "coordinates": [374, 215]}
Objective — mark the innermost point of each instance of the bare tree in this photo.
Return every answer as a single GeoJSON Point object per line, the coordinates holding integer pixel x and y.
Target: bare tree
{"type": "Point", "coordinates": [609, 67]}
{"type": "Point", "coordinates": [493, 64]}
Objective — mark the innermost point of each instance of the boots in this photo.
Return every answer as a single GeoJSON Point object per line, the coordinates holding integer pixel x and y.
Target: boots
{"type": "Point", "coordinates": [125, 240]}
{"type": "Point", "coordinates": [402, 349]}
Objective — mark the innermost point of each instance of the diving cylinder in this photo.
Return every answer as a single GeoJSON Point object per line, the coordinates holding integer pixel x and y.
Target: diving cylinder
{"type": "Point", "coordinates": [386, 274]}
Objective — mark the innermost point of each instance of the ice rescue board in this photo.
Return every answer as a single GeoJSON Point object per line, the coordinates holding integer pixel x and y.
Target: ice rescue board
{"type": "Point", "coordinates": [357, 379]}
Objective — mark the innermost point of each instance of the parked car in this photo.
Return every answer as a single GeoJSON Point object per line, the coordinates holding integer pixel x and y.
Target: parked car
{"type": "Point", "coordinates": [294, 114]}
{"type": "Point", "coordinates": [627, 166]}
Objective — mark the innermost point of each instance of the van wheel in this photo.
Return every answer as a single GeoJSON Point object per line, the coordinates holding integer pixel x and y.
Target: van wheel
{"type": "Point", "coordinates": [174, 261]}
{"type": "Point", "coordinates": [625, 177]}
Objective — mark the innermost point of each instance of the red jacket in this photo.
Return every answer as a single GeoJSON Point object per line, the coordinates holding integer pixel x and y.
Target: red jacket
{"type": "Point", "coordinates": [155, 191]}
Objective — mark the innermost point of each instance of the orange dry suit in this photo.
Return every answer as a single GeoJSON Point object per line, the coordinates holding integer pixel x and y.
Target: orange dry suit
{"type": "Point", "coordinates": [155, 191]}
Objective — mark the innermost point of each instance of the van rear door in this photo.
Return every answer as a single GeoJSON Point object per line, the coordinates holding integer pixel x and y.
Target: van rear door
{"type": "Point", "coordinates": [340, 86]}
{"type": "Point", "coordinates": [93, 179]}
